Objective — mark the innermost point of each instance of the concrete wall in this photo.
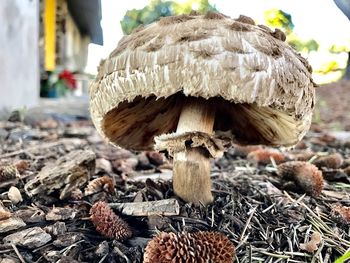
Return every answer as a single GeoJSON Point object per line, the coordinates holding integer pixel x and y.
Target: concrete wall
{"type": "Point", "coordinates": [19, 53]}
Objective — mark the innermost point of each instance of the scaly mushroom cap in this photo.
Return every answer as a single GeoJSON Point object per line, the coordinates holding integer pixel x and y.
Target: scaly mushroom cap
{"type": "Point", "coordinates": [261, 87]}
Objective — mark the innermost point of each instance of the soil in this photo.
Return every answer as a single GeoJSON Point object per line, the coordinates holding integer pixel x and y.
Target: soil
{"type": "Point", "coordinates": [268, 218]}
{"type": "Point", "coordinates": [333, 105]}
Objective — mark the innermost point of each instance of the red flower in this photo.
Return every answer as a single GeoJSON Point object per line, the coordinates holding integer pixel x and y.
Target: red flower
{"type": "Point", "coordinates": [68, 79]}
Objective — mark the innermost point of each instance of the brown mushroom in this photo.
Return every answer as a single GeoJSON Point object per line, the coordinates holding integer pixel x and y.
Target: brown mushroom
{"type": "Point", "coordinates": [185, 83]}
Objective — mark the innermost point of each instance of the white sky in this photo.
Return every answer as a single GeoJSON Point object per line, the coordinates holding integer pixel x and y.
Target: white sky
{"type": "Point", "coordinates": [318, 19]}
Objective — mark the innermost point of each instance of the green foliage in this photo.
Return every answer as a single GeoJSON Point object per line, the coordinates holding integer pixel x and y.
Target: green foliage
{"type": "Point", "coordinates": [158, 8]}
{"type": "Point", "coordinates": [329, 66]}
{"type": "Point", "coordinates": [303, 45]}
{"type": "Point", "coordinates": [344, 258]}
{"type": "Point", "coordinates": [336, 48]}
{"type": "Point", "coordinates": [280, 19]}
{"type": "Point", "coordinates": [202, 6]}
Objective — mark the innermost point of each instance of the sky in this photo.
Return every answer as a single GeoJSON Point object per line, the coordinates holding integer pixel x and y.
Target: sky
{"type": "Point", "coordinates": [318, 19]}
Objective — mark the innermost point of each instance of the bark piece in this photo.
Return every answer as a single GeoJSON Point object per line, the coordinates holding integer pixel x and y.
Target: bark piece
{"type": "Point", "coordinates": [66, 174]}
{"type": "Point", "coordinates": [11, 223]}
{"type": "Point", "coordinates": [103, 165]}
{"type": "Point", "coordinates": [30, 238]}
{"type": "Point", "coordinates": [61, 213]}
{"type": "Point", "coordinates": [68, 239]}
{"type": "Point", "coordinates": [31, 214]}
{"type": "Point", "coordinates": [166, 207]}
{"type": "Point", "coordinates": [57, 229]}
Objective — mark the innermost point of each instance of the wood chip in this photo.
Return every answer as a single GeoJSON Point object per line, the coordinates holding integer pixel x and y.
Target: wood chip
{"type": "Point", "coordinates": [30, 238]}
{"type": "Point", "coordinates": [61, 213]}
{"type": "Point", "coordinates": [166, 207]}
{"type": "Point", "coordinates": [66, 174]}
{"type": "Point", "coordinates": [11, 223]}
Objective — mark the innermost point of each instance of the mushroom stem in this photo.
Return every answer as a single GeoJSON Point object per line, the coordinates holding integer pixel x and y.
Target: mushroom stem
{"type": "Point", "coordinates": [191, 178]}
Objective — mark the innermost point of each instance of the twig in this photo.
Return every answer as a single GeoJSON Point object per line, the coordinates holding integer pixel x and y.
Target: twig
{"type": "Point", "coordinates": [103, 258]}
{"type": "Point", "coordinates": [120, 253]}
{"type": "Point", "coordinates": [246, 226]}
{"type": "Point", "coordinates": [17, 253]}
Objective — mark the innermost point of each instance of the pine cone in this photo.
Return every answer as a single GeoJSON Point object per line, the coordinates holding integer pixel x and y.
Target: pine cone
{"type": "Point", "coordinates": [341, 213]}
{"type": "Point", "coordinates": [332, 161]}
{"type": "Point", "coordinates": [244, 150]}
{"type": "Point", "coordinates": [306, 175]}
{"type": "Point", "coordinates": [189, 247]}
{"type": "Point", "coordinates": [263, 156]}
{"type": "Point", "coordinates": [104, 183]}
{"type": "Point", "coordinates": [8, 172]}
{"type": "Point", "coordinates": [108, 223]}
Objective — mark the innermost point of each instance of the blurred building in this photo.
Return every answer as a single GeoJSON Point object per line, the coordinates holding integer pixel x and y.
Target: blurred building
{"type": "Point", "coordinates": [40, 36]}
{"type": "Point", "coordinates": [66, 29]}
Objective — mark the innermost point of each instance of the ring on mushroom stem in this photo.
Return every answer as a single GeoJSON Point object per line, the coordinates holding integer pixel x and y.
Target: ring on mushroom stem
{"type": "Point", "coordinates": [158, 88]}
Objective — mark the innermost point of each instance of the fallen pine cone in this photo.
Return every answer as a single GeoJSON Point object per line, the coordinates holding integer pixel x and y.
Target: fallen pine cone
{"type": "Point", "coordinates": [312, 245]}
{"type": "Point", "coordinates": [189, 247]}
{"type": "Point", "coordinates": [263, 156]}
{"type": "Point", "coordinates": [22, 165]}
{"type": "Point", "coordinates": [104, 183]}
{"type": "Point", "coordinates": [347, 171]}
{"type": "Point", "coordinates": [108, 223]}
{"type": "Point", "coordinates": [8, 172]}
{"type": "Point", "coordinates": [342, 213]}
{"type": "Point", "coordinates": [306, 175]}
{"type": "Point", "coordinates": [332, 161]}
{"type": "Point", "coordinates": [327, 138]}
{"type": "Point", "coordinates": [244, 150]}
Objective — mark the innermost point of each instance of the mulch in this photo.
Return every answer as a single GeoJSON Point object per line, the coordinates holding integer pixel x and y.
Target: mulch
{"type": "Point", "coordinates": [268, 219]}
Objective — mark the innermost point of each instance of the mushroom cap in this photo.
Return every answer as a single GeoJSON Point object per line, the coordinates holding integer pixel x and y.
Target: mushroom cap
{"type": "Point", "coordinates": [261, 87]}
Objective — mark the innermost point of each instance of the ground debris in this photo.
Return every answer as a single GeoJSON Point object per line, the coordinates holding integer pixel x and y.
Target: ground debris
{"type": "Point", "coordinates": [166, 207]}
{"type": "Point", "coordinates": [30, 238]}
{"type": "Point", "coordinates": [313, 243]}
{"type": "Point", "coordinates": [66, 174]}
{"type": "Point", "coordinates": [266, 217]}
{"type": "Point", "coordinates": [10, 224]}
{"type": "Point", "coordinates": [61, 213]}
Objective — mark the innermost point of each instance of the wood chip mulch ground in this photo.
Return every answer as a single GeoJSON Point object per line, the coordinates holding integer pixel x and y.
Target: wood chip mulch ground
{"type": "Point", "coordinates": [52, 173]}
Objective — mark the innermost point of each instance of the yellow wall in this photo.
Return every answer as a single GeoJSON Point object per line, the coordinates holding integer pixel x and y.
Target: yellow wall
{"type": "Point", "coordinates": [50, 34]}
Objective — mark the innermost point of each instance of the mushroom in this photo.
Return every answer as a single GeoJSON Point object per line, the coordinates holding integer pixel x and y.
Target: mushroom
{"type": "Point", "coordinates": [189, 84]}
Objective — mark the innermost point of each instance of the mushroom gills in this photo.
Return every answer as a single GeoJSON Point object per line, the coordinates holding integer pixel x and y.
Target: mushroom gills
{"type": "Point", "coordinates": [135, 124]}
